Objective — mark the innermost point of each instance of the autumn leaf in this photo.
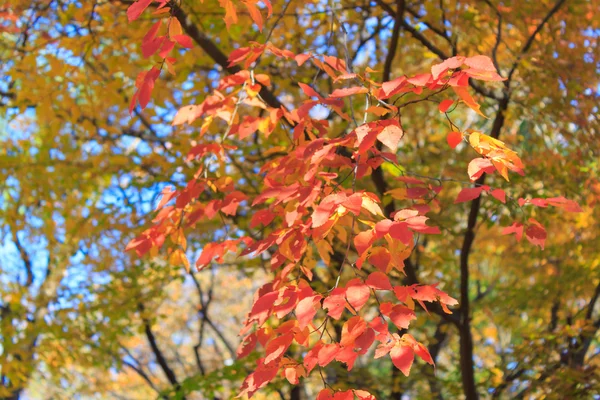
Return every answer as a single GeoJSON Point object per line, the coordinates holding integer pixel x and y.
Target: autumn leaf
{"type": "Point", "coordinates": [136, 9]}
{"type": "Point", "coordinates": [468, 194]}
{"type": "Point", "coordinates": [444, 106]}
{"type": "Point", "coordinates": [454, 138]}
{"type": "Point", "coordinates": [402, 358]}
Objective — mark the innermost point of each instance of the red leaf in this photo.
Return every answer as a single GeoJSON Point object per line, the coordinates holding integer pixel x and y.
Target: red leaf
{"type": "Point", "coordinates": [347, 395]}
{"type": "Point", "coordinates": [310, 92]}
{"type": "Point", "coordinates": [366, 135]}
{"type": "Point", "coordinates": [379, 280]}
{"type": "Point", "coordinates": [335, 303]}
{"type": "Point", "coordinates": [499, 195]}
{"type": "Point", "coordinates": [345, 92]}
{"type": "Point", "coordinates": [357, 293]}
{"type": "Point", "coordinates": [450, 63]}
{"type": "Point", "coordinates": [336, 63]}
{"type": "Point", "coordinates": [444, 106]}
{"type": "Point", "coordinates": [535, 233]}
{"type": "Point", "coordinates": [152, 32]}
{"type": "Point", "coordinates": [136, 9]}
{"type": "Point", "coordinates": [262, 217]}
{"type": "Point", "coordinates": [261, 309]}
{"type": "Point", "coordinates": [276, 347]}
{"type": "Point", "coordinates": [454, 138]}
{"type": "Point", "coordinates": [363, 241]}
{"type": "Point", "coordinates": [238, 55]}
{"type": "Point", "coordinates": [382, 227]}
{"type": "Point", "coordinates": [402, 357]}
{"type": "Point", "coordinates": [166, 48]}
{"type": "Point", "coordinates": [328, 353]}
{"type": "Point", "coordinates": [516, 228]}
{"type": "Point", "coordinates": [184, 41]}
{"type": "Point", "coordinates": [380, 258]}
{"type": "Point", "coordinates": [307, 309]}
{"type": "Point", "coordinates": [565, 204]}
{"type": "Point", "coordinates": [468, 194]}
{"type": "Point", "coordinates": [247, 345]}
{"type": "Point", "coordinates": [420, 80]}
{"type": "Point", "coordinates": [352, 329]}
{"type": "Point", "coordinates": [325, 394]}
{"type": "Point", "coordinates": [423, 352]}
{"type": "Point", "coordinates": [401, 316]}
{"type": "Point", "coordinates": [400, 231]}
{"type": "Point", "coordinates": [392, 87]}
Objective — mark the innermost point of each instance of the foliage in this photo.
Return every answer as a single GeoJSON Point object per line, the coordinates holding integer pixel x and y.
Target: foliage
{"type": "Point", "coordinates": [357, 180]}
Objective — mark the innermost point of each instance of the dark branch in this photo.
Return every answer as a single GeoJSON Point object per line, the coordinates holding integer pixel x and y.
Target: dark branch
{"type": "Point", "coordinates": [387, 68]}
{"type": "Point", "coordinates": [160, 358]}
{"type": "Point", "coordinates": [531, 39]}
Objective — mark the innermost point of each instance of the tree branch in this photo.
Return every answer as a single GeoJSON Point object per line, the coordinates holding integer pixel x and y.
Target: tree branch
{"type": "Point", "coordinates": [531, 39]}
{"type": "Point", "coordinates": [160, 358]}
{"type": "Point", "coordinates": [387, 68]}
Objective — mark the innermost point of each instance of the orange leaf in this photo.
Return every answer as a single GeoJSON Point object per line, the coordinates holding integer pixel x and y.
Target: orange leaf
{"type": "Point", "coordinates": [391, 134]}
{"type": "Point", "coordinates": [454, 138]}
{"type": "Point", "coordinates": [175, 27]}
{"type": "Point", "coordinates": [465, 96]}
{"type": "Point", "coordinates": [254, 13]}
